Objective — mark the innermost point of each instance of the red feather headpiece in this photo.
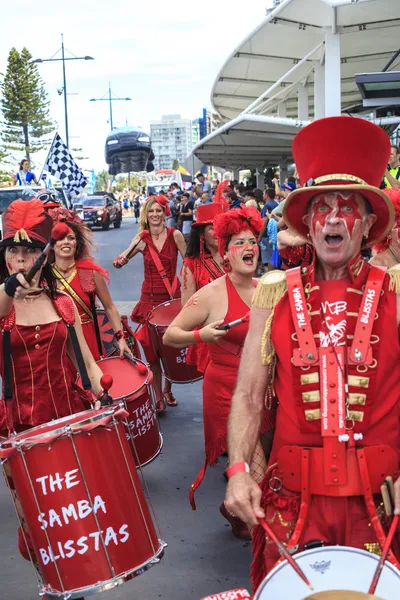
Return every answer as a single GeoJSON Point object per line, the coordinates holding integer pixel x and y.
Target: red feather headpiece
{"type": "Point", "coordinates": [233, 222]}
{"type": "Point", "coordinates": [163, 202]}
{"type": "Point", "coordinates": [223, 188]}
{"type": "Point", "coordinates": [394, 196]}
{"type": "Point", "coordinates": [25, 223]}
{"type": "Point", "coordinates": [64, 215]}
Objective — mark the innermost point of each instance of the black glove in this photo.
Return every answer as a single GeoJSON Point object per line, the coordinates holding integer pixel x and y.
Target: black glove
{"type": "Point", "coordinates": [11, 285]}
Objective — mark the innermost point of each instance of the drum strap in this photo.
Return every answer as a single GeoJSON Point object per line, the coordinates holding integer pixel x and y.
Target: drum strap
{"type": "Point", "coordinates": [305, 499]}
{"type": "Point", "coordinates": [96, 323]}
{"type": "Point", "coordinates": [72, 292]}
{"type": "Point", "coordinates": [164, 277]}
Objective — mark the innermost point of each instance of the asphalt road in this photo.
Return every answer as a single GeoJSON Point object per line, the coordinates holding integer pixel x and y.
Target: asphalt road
{"type": "Point", "coordinates": [202, 557]}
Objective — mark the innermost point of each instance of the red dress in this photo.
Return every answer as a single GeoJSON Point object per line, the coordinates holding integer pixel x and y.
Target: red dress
{"type": "Point", "coordinates": [154, 291]}
{"type": "Point", "coordinates": [204, 272]}
{"type": "Point", "coordinates": [42, 373]}
{"type": "Point", "coordinates": [375, 392]}
{"type": "Point", "coordinates": [220, 377]}
{"type": "Point", "coordinates": [297, 256]}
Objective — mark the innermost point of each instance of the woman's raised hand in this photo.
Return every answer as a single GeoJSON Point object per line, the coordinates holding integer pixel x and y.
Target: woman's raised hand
{"type": "Point", "coordinates": [120, 261]}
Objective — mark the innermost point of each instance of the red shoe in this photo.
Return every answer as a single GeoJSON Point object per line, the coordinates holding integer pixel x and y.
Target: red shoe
{"type": "Point", "coordinates": [170, 398]}
{"type": "Point", "coordinates": [160, 406]}
{"type": "Point", "coordinates": [239, 527]}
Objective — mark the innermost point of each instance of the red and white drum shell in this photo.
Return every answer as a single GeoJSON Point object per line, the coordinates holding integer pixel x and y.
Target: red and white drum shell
{"type": "Point", "coordinates": [134, 389]}
{"type": "Point", "coordinates": [88, 520]}
{"type": "Point", "coordinates": [173, 360]}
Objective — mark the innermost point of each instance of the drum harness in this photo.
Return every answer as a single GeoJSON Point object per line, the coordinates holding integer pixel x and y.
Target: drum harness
{"type": "Point", "coordinates": [340, 467]}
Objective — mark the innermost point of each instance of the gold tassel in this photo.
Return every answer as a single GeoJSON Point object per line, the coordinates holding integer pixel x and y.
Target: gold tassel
{"type": "Point", "coordinates": [21, 235]}
{"type": "Point", "coordinates": [394, 275]}
{"type": "Point", "coordinates": [266, 343]}
{"type": "Point", "coordinates": [270, 289]}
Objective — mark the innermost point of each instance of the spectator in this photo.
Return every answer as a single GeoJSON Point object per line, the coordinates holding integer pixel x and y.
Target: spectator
{"type": "Point", "coordinates": [259, 198]}
{"type": "Point", "coordinates": [205, 198]}
{"type": "Point", "coordinates": [175, 189]}
{"type": "Point", "coordinates": [234, 200]}
{"type": "Point", "coordinates": [269, 200]}
{"type": "Point", "coordinates": [136, 208]}
{"type": "Point", "coordinates": [187, 214]}
{"type": "Point", "coordinates": [283, 191]}
{"type": "Point", "coordinates": [24, 176]}
{"type": "Point", "coordinates": [204, 184]}
{"type": "Point", "coordinates": [392, 176]}
{"type": "Point", "coordinates": [171, 222]}
{"type": "Point", "coordinates": [196, 198]}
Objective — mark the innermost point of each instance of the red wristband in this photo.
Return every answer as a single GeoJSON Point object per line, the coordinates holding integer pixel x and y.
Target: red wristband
{"type": "Point", "coordinates": [196, 334]}
{"type": "Point", "coordinates": [240, 467]}
{"type": "Point", "coordinates": [120, 334]}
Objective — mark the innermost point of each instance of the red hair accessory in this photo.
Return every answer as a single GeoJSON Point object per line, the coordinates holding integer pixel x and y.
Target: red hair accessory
{"type": "Point", "coordinates": [223, 188]}
{"type": "Point", "coordinates": [64, 215]}
{"type": "Point", "coordinates": [26, 223]}
{"type": "Point", "coordinates": [163, 202]}
{"type": "Point", "coordinates": [394, 196]}
{"type": "Point", "coordinates": [233, 222]}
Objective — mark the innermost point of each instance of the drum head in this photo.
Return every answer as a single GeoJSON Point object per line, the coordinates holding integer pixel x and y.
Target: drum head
{"type": "Point", "coordinates": [164, 314]}
{"type": "Point", "coordinates": [342, 595]}
{"type": "Point", "coordinates": [126, 377]}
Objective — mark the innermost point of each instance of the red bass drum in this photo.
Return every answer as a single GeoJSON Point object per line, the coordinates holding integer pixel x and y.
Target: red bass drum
{"type": "Point", "coordinates": [89, 526]}
{"type": "Point", "coordinates": [173, 360]}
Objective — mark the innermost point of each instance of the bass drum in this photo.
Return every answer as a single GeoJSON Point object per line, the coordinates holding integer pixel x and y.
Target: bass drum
{"type": "Point", "coordinates": [173, 360]}
{"type": "Point", "coordinates": [335, 572]}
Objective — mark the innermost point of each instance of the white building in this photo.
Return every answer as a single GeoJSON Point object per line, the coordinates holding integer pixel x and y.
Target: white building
{"type": "Point", "coordinates": [171, 138]}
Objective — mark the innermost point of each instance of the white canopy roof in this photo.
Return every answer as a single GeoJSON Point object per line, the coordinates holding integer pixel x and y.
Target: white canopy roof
{"type": "Point", "coordinates": [369, 37]}
{"type": "Point", "coordinates": [250, 141]}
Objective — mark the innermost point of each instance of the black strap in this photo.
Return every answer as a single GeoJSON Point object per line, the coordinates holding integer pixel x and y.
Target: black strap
{"type": "Point", "coordinates": [96, 323]}
{"type": "Point", "coordinates": [79, 358]}
{"type": "Point", "coordinates": [7, 365]}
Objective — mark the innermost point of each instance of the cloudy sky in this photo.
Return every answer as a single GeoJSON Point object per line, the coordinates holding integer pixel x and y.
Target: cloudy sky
{"type": "Point", "coordinates": [165, 55]}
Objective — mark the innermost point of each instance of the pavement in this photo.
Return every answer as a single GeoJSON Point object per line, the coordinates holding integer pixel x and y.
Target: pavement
{"type": "Point", "coordinates": [202, 557]}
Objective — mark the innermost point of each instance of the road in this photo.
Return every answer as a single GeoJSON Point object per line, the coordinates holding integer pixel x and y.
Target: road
{"type": "Point", "coordinates": [202, 557]}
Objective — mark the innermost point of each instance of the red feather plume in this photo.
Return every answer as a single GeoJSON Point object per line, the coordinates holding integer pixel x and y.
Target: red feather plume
{"type": "Point", "coordinates": [394, 196]}
{"type": "Point", "coordinates": [25, 215]}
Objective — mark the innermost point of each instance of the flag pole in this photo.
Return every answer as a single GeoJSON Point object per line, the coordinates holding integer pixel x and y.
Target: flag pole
{"type": "Point", "coordinates": [47, 157]}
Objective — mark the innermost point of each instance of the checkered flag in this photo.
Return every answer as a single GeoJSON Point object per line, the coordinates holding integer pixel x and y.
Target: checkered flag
{"type": "Point", "coordinates": [61, 164]}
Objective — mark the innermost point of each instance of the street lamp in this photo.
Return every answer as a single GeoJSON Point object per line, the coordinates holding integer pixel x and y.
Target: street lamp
{"type": "Point", "coordinates": [63, 59]}
{"type": "Point", "coordinates": [110, 99]}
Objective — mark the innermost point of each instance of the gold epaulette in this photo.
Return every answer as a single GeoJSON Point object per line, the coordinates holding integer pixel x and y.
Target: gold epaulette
{"type": "Point", "coordinates": [394, 275]}
{"type": "Point", "coordinates": [270, 289]}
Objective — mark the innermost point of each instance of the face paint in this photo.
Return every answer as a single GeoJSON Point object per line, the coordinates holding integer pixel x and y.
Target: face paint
{"type": "Point", "coordinates": [20, 258]}
{"type": "Point", "coordinates": [334, 208]}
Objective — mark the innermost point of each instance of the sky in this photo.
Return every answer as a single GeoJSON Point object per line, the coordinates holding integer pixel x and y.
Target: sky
{"type": "Point", "coordinates": [163, 55]}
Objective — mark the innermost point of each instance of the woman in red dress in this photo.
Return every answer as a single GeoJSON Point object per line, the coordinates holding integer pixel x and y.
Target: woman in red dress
{"type": "Point", "coordinates": [41, 336]}
{"type": "Point", "coordinates": [222, 301]}
{"type": "Point", "coordinates": [79, 276]}
{"type": "Point", "coordinates": [159, 246]}
{"type": "Point", "coordinates": [203, 263]}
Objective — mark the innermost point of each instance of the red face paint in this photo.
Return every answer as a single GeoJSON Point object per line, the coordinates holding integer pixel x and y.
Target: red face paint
{"type": "Point", "coordinates": [333, 209]}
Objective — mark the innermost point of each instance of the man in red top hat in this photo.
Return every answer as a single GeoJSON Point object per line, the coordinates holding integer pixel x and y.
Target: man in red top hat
{"type": "Point", "coordinates": [316, 336]}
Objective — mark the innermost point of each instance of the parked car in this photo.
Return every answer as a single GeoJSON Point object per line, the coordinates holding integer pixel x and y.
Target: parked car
{"type": "Point", "coordinates": [9, 194]}
{"type": "Point", "coordinates": [100, 211]}
{"type": "Point", "coordinates": [129, 150]}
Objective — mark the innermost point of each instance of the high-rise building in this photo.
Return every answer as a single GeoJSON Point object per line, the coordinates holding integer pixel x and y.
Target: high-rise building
{"type": "Point", "coordinates": [208, 122]}
{"type": "Point", "coordinates": [171, 138]}
{"type": "Point", "coordinates": [195, 132]}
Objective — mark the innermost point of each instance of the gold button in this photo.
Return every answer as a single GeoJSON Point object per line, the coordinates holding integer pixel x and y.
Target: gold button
{"type": "Point", "coordinates": [360, 400]}
{"type": "Point", "coordinates": [306, 397]}
{"type": "Point", "coordinates": [304, 270]}
{"type": "Point", "coordinates": [37, 346]}
{"type": "Point", "coordinates": [309, 417]}
{"type": "Point", "coordinates": [37, 336]}
{"type": "Point", "coordinates": [305, 380]}
{"type": "Point", "coordinates": [37, 328]}
{"type": "Point", "coordinates": [363, 382]}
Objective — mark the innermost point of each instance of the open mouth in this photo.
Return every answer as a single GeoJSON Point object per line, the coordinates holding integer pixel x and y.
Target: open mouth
{"type": "Point", "coordinates": [333, 240]}
{"type": "Point", "coordinates": [248, 259]}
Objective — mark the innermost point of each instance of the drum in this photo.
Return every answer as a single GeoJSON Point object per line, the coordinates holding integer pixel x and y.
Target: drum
{"type": "Point", "coordinates": [173, 360]}
{"type": "Point", "coordinates": [106, 332]}
{"type": "Point", "coordinates": [134, 389]}
{"type": "Point", "coordinates": [347, 571]}
{"type": "Point", "coordinates": [89, 525]}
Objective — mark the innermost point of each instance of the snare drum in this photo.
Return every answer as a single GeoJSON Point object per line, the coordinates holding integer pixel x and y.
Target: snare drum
{"type": "Point", "coordinates": [134, 389]}
{"type": "Point", "coordinates": [330, 568]}
{"type": "Point", "coordinates": [173, 360]}
{"type": "Point", "coordinates": [106, 332]}
{"type": "Point", "coordinates": [88, 520]}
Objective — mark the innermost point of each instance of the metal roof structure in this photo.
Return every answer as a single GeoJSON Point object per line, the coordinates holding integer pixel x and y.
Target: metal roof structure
{"type": "Point", "coordinates": [369, 32]}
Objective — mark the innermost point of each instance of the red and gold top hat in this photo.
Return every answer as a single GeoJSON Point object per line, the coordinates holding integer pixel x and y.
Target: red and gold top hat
{"type": "Point", "coordinates": [341, 153]}
{"type": "Point", "coordinates": [205, 214]}
{"type": "Point", "coordinates": [25, 223]}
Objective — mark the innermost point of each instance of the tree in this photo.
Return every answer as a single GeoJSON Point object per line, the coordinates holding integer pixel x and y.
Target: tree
{"type": "Point", "coordinates": [25, 106]}
{"type": "Point", "coordinates": [175, 164]}
{"type": "Point", "coordinates": [78, 155]}
{"type": "Point", "coordinates": [102, 178]}
{"type": "Point", "coordinates": [6, 175]}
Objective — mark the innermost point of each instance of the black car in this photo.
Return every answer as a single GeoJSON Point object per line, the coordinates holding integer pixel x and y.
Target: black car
{"type": "Point", "coordinates": [129, 150]}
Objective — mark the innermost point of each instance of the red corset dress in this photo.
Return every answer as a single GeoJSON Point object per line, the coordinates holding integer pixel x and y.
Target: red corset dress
{"type": "Point", "coordinates": [204, 272]}
{"type": "Point", "coordinates": [154, 291]}
{"type": "Point", "coordinates": [42, 376]}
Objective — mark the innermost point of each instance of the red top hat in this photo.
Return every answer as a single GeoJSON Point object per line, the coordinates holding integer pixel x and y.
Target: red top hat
{"type": "Point", "coordinates": [25, 223]}
{"type": "Point", "coordinates": [344, 153]}
{"type": "Point", "coordinates": [206, 212]}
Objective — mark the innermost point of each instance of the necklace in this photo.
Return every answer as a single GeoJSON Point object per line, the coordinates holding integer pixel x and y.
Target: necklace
{"type": "Point", "coordinates": [67, 269]}
{"type": "Point", "coordinates": [157, 235]}
{"type": "Point", "coordinates": [393, 253]}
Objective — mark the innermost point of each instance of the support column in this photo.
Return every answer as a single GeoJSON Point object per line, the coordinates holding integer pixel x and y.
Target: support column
{"type": "Point", "coordinates": [236, 174]}
{"type": "Point", "coordinates": [282, 110]}
{"type": "Point", "coordinates": [319, 91]}
{"type": "Point", "coordinates": [260, 178]}
{"type": "Point", "coordinates": [302, 110]}
{"type": "Point", "coordinates": [333, 105]}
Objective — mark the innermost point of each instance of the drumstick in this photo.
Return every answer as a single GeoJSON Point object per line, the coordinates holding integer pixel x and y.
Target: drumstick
{"type": "Point", "coordinates": [385, 550]}
{"type": "Point", "coordinates": [244, 319]}
{"type": "Point", "coordinates": [59, 232]}
{"type": "Point", "coordinates": [141, 234]}
{"type": "Point", "coordinates": [139, 365]}
{"type": "Point", "coordinates": [284, 552]}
